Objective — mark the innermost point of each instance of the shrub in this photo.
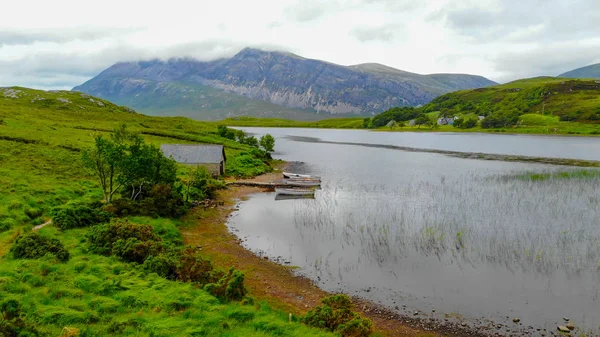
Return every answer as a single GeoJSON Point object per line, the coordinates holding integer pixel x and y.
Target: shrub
{"type": "Point", "coordinates": [135, 250]}
{"type": "Point", "coordinates": [32, 245]}
{"type": "Point", "coordinates": [161, 201]}
{"type": "Point", "coordinates": [336, 315]}
{"type": "Point", "coordinates": [12, 323]}
{"type": "Point", "coordinates": [33, 213]}
{"type": "Point", "coordinates": [165, 265]}
{"type": "Point", "coordinates": [77, 216]}
{"type": "Point", "coordinates": [245, 165]}
{"type": "Point", "coordinates": [229, 287]}
{"type": "Point", "coordinates": [191, 267]}
{"type": "Point", "coordinates": [102, 239]}
{"type": "Point", "coordinates": [7, 224]}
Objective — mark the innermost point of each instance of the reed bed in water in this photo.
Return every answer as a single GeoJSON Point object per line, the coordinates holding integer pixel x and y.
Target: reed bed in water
{"type": "Point", "coordinates": [516, 220]}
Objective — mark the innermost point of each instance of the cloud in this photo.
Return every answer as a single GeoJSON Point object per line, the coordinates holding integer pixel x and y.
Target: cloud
{"type": "Point", "coordinates": [10, 37]}
{"type": "Point", "coordinates": [384, 33]}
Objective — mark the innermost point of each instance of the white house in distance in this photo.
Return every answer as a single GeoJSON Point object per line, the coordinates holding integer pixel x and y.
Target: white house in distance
{"type": "Point", "coordinates": [210, 156]}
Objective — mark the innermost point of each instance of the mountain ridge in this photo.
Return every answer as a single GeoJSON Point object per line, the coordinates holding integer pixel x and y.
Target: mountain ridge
{"type": "Point", "coordinates": [591, 71]}
{"type": "Point", "coordinates": [283, 79]}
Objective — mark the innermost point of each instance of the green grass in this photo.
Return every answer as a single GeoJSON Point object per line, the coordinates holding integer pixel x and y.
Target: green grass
{"type": "Point", "coordinates": [103, 296]}
{"type": "Point", "coordinates": [574, 174]}
{"type": "Point", "coordinates": [40, 168]}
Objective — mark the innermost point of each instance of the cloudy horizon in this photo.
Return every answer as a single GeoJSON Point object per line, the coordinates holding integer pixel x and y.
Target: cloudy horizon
{"type": "Point", "coordinates": [63, 43]}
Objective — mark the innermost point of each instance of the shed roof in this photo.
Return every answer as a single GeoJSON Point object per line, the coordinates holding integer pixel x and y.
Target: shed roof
{"type": "Point", "coordinates": [194, 154]}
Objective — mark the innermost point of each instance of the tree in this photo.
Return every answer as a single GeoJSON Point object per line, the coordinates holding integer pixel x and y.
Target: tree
{"type": "Point", "coordinates": [421, 120]}
{"type": "Point", "coordinates": [252, 141]}
{"type": "Point", "coordinates": [391, 124]}
{"type": "Point", "coordinates": [267, 142]}
{"type": "Point", "coordinates": [225, 132]}
{"type": "Point", "coordinates": [125, 160]}
{"type": "Point", "coordinates": [105, 160]}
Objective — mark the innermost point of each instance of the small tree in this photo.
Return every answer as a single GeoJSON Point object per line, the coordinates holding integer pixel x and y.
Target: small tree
{"type": "Point", "coordinates": [105, 160]}
{"type": "Point", "coordinates": [267, 142]}
{"type": "Point", "coordinates": [421, 120]}
{"type": "Point", "coordinates": [391, 124]}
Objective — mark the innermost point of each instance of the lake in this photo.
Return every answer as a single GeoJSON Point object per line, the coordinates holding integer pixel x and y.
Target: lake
{"type": "Point", "coordinates": [464, 237]}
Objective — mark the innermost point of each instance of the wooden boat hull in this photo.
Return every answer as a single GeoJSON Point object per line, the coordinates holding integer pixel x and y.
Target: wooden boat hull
{"type": "Point", "coordinates": [294, 191]}
{"type": "Point", "coordinates": [290, 175]}
{"type": "Point", "coordinates": [293, 197]}
{"type": "Point", "coordinates": [301, 183]}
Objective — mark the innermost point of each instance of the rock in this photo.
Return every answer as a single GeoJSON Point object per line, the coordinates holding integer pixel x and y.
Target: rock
{"type": "Point", "coordinates": [63, 100]}
{"type": "Point", "coordinates": [516, 320]}
{"type": "Point", "coordinates": [563, 328]}
{"type": "Point", "coordinates": [570, 326]}
{"type": "Point", "coordinates": [100, 104]}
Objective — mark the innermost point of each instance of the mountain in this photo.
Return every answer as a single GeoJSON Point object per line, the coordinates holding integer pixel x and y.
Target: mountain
{"type": "Point", "coordinates": [592, 71]}
{"type": "Point", "coordinates": [268, 84]}
{"type": "Point", "coordinates": [569, 99]}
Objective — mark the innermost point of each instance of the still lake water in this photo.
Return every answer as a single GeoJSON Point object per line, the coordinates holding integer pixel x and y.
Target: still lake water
{"type": "Point", "coordinates": [429, 231]}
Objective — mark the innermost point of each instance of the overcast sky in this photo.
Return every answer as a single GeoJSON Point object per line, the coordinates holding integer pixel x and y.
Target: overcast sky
{"type": "Point", "coordinates": [62, 43]}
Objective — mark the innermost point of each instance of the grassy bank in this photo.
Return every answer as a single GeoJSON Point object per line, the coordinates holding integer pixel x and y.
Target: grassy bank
{"type": "Point", "coordinates": [530, 124]}
{"type": "Point", "coordinates": [42, 136]}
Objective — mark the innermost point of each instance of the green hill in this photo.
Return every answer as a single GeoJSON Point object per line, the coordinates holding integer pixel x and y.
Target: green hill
{"type": "Point", "coordinates": [568, 99]}
{"type": "Point", "coordinates": [42, 135]}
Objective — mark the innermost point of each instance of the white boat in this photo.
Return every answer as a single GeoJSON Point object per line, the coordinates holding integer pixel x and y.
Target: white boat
{"type": "Point", "coordinates": [297, 175]}
{"type": "Point", "coordinates": [294, 191]}
{"type": "Point", "coordinates": [300, 183]}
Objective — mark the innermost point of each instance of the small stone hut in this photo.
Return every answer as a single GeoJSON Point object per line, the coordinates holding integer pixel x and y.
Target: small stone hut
{"type": "Point", "coordinates": [210, 156]}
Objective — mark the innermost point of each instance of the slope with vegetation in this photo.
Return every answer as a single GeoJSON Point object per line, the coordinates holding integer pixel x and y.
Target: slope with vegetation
{"type": "Point", "coordinates": [113, 261]}
{"type": "Point", "coordinates": [537, 105]}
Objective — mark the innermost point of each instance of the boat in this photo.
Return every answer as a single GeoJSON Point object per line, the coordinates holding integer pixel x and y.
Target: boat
{"type": "Point", "coordinates": [291, 175]}
{"type": "Point", "coordinates": [293, 197]}
{"type": "Point", "coordinates": [294, 191]}
{"type": "Point", "coordinates": [300, 183]}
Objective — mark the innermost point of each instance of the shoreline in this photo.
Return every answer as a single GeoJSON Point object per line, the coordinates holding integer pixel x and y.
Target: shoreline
{"type": "Point", "coordinates": [283, 289]}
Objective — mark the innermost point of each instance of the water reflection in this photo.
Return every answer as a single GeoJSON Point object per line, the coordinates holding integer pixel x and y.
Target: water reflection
{"type": "Point", "coordinates": [429, 231]}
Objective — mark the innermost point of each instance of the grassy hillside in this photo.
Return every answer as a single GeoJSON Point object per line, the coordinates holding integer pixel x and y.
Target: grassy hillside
{"type": "Point", "coordinates": [570, 100]}
{"type": "Point", "coordinates": [41, 138]}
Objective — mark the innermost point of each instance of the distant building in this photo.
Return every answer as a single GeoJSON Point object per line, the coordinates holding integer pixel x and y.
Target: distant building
{"type": "Point", "coordinates": [210, 156]}
{"type": "Point", "coordinates": [481, 117]}
{"type": "Point", "coordinates": [445, 121]}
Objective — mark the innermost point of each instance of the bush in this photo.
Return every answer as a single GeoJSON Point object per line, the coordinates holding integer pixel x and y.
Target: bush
{"type": "Point", "coordinates": [7, 224]}
{"type": "Point", "coordinates": [465, 123]}
{"type": "Point", "coordinates": [245, 165]}
{"type": "Point", "coordinates": [165, 265]}
{"type": "Point", "coordinates": [336, 315]}
{"type": "Point", "coordinates": [33, 213]}
{"type": "Point", "coordinates": [230, 286]}
{"type": "Point", "coordinates": [32, 245]}
{"type": "Point", "coordinates": [191, 267]}
{"type": "Point", "coordinates": [500, 120]}
{"type": "Point", "coordinates": [77, 216]}
{"type": "Point", "coordinates": [103, 239]}
{"type": "Point", "coordinates": [12, 323]}
{"type": "Point", "coordinates": [135, 250]}
{"type": "Point", "coordinates": [161, 201]}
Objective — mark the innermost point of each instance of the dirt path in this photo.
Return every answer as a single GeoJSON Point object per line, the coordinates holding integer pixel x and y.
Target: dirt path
{"type": "Point", "coordinates": [276, 284]}
{"type": "Point", "coordinates": [38, 227]}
